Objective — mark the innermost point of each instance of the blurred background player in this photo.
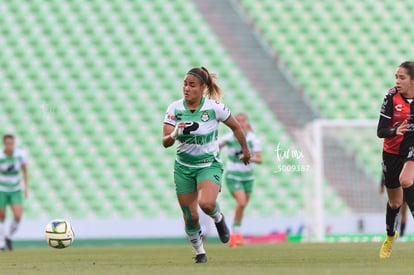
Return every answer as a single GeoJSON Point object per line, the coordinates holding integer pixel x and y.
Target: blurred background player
{"type": "Point", "coordinates": [403, 210]}
{"type": "Point", "coordinates": [12, 162]}
{"type": "Point", "coordinates": [239, 177]}
{"type": "Point", "coordinates": [396, 127]}
{"type": "Point", "coordinates": [193, 121]}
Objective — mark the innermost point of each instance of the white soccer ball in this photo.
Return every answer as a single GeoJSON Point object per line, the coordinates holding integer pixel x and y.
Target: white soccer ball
{"type": "Point", "coordinates": [59, 233]}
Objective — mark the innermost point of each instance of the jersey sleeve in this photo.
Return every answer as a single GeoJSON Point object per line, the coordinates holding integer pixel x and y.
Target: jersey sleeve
{"type": "Point", "coordinates": [256, 145]}
{"type": "Point", "coordinates": [24, 157]}
{"type": "Point", "coordinates": [387, 108]}
{"type": "Point", "coordinates": [222, 111]}
{"type": "Point", "coordinates": [169, 116]}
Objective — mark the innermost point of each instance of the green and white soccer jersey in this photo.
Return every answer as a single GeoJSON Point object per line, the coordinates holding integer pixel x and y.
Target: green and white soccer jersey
{"type": "Point", "coordinates": [235, 168]}
{"type": "Point", "coordinates": [10, 167]}
{"type": "Point", "coordinates": [198, 145]}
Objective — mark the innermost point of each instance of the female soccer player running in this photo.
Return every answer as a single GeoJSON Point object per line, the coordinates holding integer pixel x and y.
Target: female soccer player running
{"type": "Point", "coordinates": [396, 126]}
{"type": "Point", "coordinates": [239, 177]}
{"type": "Point", "coordinates": [193, 122]}
{"type": "Point", "coordinates": [12, 161]}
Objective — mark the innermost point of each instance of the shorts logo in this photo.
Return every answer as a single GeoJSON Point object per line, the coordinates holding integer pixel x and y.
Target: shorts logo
{"type": "Point", "coordinates": [410, 154]}
{"type": "Point", "coordinates": [398, 107]}
{"type": "Point", "coordinates": [217, 177]}
{"type": "Point", "coordinates": [205, 116]}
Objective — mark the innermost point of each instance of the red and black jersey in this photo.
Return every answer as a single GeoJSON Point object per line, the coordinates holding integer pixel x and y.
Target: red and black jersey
{"type": "Point", "coordinates": [395, 109]}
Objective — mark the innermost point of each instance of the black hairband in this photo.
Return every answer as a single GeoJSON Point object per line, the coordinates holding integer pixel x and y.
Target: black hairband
{"type": "Point", "coordinates": [199, 76]}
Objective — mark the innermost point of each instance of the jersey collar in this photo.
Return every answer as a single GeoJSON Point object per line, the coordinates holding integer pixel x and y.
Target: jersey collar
{"type": "Point", "coordinates": [199, 106]}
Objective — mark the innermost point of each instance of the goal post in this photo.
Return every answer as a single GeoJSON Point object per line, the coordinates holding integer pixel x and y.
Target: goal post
{"type": "Point", "coordinates": [345, 166]}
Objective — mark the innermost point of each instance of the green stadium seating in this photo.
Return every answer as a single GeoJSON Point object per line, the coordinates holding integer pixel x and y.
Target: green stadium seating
{"type": "Point", "coordinates": [88, 83]}
{"type": "Point", "coordinates": [342, 53]}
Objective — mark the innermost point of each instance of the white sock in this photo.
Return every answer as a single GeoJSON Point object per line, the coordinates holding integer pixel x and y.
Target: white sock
{"type": "Point", "coordinates": [197, 243]}
{"type": "Point", "coordinates": [2, 241]}
{"type": "Point", "coordinates": [13, 228]}
{"type": "Point", "coordinates": [236, 229]}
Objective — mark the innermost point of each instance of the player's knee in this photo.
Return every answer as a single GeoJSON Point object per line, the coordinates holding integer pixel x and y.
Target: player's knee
{"type": "Point", "coordinates": [241, 204]}
{"type": "Point", "coordinates": [394, 204]}
{"type": "Point", "coordinates": [207, 206]}
{"type": "Point", "coordinates": [406, 181]}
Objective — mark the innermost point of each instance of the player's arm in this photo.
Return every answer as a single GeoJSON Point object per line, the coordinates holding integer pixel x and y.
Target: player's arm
{"type": "Point", "coordinates": [232, 123]}
{"type": "Point", "coordinates": [25, 180]}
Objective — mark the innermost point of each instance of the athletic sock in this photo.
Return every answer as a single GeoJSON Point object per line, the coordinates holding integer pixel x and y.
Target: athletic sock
{"type": "Point", "coordinates": [2, 241]}
{"type": "Point", "coordinates": [236, 227]}
{"type": "Point", "coordinates": [216, 214]}
{"type": "Point", "coordinates": [196, 240]}
{"type": "Point", "coordinates": [390, 218]}
{"type": "Point", "coordinates": [409, 197]}
{"type": "Point", "coordinates": [402, 229]}
{"type": "Point", "coordinates": [13, 228]}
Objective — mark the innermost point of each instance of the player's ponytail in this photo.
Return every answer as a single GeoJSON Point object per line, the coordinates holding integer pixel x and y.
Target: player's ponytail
{"type": "Point", "coordinates": [212, 90]}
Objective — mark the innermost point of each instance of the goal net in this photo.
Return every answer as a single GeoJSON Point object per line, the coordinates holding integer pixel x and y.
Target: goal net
{"type": "Point", "coordinates": [345, 170]}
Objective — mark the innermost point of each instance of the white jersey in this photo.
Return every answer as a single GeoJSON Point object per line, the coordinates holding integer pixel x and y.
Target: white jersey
{"type": "Point", "coordinates": [235, 168]}
{"type": "Point", "coordinates": [10, 167]}
{"type": "Point", "coordinates": [198, 145]}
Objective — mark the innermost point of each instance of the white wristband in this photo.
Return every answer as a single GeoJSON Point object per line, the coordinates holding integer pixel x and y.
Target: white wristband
{"type": "Point", "coordinates": [177, 131]}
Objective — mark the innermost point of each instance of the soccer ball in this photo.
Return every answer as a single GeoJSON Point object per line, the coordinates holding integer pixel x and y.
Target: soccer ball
{"type": "Point", "coordinates": [59, 233]}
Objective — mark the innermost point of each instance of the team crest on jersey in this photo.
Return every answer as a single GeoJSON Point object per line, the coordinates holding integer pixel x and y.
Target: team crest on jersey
{"type": "Point", "coordinates": [205, 116]}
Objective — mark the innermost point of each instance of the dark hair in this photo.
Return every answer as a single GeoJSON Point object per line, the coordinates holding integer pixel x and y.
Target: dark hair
{"type": "Point", "coordinates": [409, 67]}
{"type": "Point", "coordinates": [212, 91]}
{"type": "Point", "coordinates": [7, 136]}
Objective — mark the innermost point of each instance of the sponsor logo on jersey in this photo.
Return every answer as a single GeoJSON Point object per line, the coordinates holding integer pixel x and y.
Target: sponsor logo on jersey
{"type": "Point", "coordinates": [398, 107]}
{"type": "Point", "coordinates": [204, 116]}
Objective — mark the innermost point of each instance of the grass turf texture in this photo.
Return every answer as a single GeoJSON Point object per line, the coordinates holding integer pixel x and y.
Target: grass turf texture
{"type": "Point", "coordinates": [287, 258]}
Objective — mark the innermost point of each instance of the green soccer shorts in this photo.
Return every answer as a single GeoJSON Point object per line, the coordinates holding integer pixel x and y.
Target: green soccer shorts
{"type": "Point", "coordinates": [186, 178]}
{"type": "Point", "coordinates": [11, 198]}
{"type": "Point", "coordinates": [237, 185]}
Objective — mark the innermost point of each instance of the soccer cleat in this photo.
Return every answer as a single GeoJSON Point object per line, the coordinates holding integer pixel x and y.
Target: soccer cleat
{"type": "Point", "coordinates": [200, 258]}
{"type": "Point", "coordinates": [9, 244]}
{"type": "Point", "coordinates": [232, 242]}
{"type": "Point", "coordinates": [386, 248]}
{"type": "Point", "coordinates": [223, 230]}
{"type": "Point", "coordinates": [235, 240]}
{"type": "Point", "coordinates": [239, 239]}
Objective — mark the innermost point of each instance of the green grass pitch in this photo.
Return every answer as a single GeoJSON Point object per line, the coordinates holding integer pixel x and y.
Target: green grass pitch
{"type": "Point", "coordinates": [288, 258]}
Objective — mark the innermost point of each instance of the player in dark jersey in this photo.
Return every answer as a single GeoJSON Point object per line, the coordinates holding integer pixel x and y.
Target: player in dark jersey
{"type": "Point", "coordinates": [396, 126]}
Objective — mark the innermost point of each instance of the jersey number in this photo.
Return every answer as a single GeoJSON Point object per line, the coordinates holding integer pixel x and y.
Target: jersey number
{"type": "Point", "coordinates": [191, 126]}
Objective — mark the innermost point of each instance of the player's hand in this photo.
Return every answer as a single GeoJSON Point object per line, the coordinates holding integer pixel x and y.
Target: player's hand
{"type": "Point", "coordinates": [178, 130]}
{"type": "Point", "coordinates": [245, 157]}
{"type": "Point", "coordinates": [402, 128]}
